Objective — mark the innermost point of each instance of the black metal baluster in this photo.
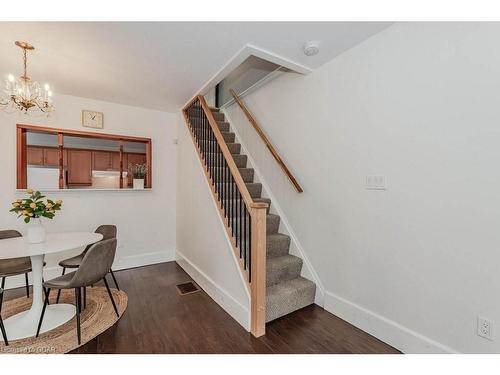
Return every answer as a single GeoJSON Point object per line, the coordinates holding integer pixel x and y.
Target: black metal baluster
{"type": "Point", "coordinates": [226, 188]}
{"type": "Point", "coordinates": [212, 152]}
{"type": "Point", "coordinates": [207, 142]}
{"type": "Point", "coordinates": [204, 139]}
{"type": "Point", "coordinates": [244, 231]}
{"type": "Point", "coordinates": [201, 131]}
{"type": "Point", "coordinates": [232, 205]}
{"type": "Point", "coordinates": [240, 219]}
{"type": "Point", "coordinates": [217, 174]}
{"type": "Point", "coordinates": [239, 223]}
{"type": "Point", "coordinates": [249, 248]}
{"type": "Point", "coordinates": [235, 195]}
{"type": "Point", "coordinates": [209, 150]}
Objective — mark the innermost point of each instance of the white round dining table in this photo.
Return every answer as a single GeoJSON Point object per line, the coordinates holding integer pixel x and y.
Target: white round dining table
{"type": "Point", "coordinates": [25, 324]}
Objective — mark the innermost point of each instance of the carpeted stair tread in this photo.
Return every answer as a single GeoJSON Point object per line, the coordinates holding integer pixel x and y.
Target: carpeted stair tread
{"type": "Point", "coordinates": [288, 296]}
{"type": "Point", "coordinates": [234, 148]}
{"type": "Point", "coordinates": [247, 174]}
{"type": "Point", "coordinates": [254, 188]}
{"type": "Point", "coordinates": [229, 137]}
{"type": "Point", "coordinates": [218, 116]}
{"type": "Point", "coordinates": [283, 268]}
{"type": "Point", "coordinates": [223, 126]}
{"type": "Point", "coordinates": [277, 244]}
{"type": "Point", "coordinates": [240, 161]}
{"type": "Point", "coordinates": [272, 223]}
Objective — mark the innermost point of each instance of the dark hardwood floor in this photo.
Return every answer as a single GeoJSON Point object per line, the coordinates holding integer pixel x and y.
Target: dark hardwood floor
{"type": "Point", "coordinates": [159, 320]}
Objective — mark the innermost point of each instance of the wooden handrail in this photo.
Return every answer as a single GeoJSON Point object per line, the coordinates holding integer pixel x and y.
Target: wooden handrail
{"type": "Point", "coordinates": [266, 140]}
{"type": "Point", "coordinates": [257, 212]}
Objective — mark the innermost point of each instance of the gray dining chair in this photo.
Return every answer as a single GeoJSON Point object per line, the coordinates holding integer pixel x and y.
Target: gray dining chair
{"type": "Point", "coordinates": [2, 328]}
{"type": "Point", "coordinates": [107, 231]}
{"type": "Point", "coordinates": [94, 267]}
{"type": "Point", "coordinates": [15, 266]}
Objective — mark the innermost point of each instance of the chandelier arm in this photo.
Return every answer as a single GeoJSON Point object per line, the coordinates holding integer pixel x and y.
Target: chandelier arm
{"type": "Point", "coordinates": [40, 108]}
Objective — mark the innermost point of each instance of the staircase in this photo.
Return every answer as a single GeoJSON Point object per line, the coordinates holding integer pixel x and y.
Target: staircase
{"type": "Point", "coordinates": [286, 290]}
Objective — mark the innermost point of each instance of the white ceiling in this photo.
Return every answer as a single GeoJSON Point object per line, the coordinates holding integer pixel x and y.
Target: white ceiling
{"type": "Point", "coordinates": [160, 65]}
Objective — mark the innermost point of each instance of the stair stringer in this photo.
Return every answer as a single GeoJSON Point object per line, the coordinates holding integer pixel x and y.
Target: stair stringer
{"type": "Point", "coordinates": [296, 248]}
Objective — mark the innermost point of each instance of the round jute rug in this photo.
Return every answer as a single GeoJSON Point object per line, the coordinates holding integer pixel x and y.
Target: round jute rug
{"type": "Point", "coordinates": [95, 319]}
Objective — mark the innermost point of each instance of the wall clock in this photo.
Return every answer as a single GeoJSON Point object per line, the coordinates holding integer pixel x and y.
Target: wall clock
{"type": "Point", "coordinates": [92, 119]}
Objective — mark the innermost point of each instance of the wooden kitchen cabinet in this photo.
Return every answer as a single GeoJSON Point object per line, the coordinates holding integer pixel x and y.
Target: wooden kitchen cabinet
{"type": "Point", "coordinates": [101, 160]}
{"type": "Point", "coordinates": [79, 167]}
{"type": "Point", "coordinates": [51, 157]}
{"type": "Point", "coordinates": [46, 156]}
{"type": "Point", "coordinates": [34, 155]}
{"type": "Point", "coordinates": [108, 161]}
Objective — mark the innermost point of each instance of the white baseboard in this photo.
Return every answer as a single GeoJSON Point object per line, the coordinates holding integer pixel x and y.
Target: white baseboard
{"type": "Point", "coordinates": [140, 260]}
{"type": "Point", "coordinates": [239, 312]}
{"type": "Point", "coordinates": [386, 330]}
{"type": "Point", "coordinates": [122, 263]}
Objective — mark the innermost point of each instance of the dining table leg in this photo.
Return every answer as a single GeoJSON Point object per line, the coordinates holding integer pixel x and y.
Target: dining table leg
{"type": "Point", "coordinates": [24, 324]}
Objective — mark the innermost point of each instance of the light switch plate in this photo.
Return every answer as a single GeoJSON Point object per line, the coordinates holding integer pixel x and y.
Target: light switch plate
{"type": "Point", "coordinates": [375, 182]}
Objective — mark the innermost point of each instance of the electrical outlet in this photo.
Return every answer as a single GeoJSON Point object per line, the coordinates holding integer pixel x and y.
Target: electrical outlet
{"type": "Point", "coordinates": [485, 328]}
{"type": "Point", "coordinates": [375, 182]}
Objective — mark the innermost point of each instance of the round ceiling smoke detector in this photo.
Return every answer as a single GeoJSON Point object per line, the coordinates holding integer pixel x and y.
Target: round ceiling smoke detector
{"type": "Point", "coordinates": [311, 48]}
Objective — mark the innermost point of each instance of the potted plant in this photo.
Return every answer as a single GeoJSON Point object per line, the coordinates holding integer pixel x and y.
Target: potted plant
{"type": "Point", "coordinates": [33, 209]}
{"type": "Point", "coordinates": [139, 172]}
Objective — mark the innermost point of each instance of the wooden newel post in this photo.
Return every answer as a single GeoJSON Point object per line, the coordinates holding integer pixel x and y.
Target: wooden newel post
{"type": "Point", "coordinates": [258, 273]}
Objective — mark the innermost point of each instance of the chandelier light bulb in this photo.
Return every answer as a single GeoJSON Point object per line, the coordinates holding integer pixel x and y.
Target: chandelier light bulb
{"type": "Point", "coordinates": [49, 93]}
{"type": "Point", "coordinates": [11, 78]}
{"type": "Point", "coordinates": [47, 87]}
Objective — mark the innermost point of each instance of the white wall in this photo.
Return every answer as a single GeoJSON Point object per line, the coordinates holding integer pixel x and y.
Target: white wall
{"type": "Point", "coordinates": [145, 219]}
{"type": "Point", "coordinates": [203, 249]}
{"type": "Point", "coordinates": [419, 102]}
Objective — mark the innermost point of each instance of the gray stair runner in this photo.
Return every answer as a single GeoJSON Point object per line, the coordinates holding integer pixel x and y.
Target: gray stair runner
{"type": "Point", "coordinates": [287, 291]}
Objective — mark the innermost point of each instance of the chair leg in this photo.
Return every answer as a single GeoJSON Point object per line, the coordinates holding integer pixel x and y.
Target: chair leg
{"type": "Point", "coordinates": [114, 279]}
{"type": "Point", "coordinates": [1, 295]}
{"type": "Point", "coordinates": [27, 285]}
{"type": "Point", "coordinates": [111, 296]}
{"type": "Point", "coordinates": [59, 291]}
{"type": "Point", "coordinates": [45, 290]}
{"type": "Point", "coordinates": [84, 297]}
{"type": "Point", "coordinates": [4, 334]}
{"type": "Point", "coordinates": [78, 309]}
{"type": "Point", "coordinates": [46, 302]}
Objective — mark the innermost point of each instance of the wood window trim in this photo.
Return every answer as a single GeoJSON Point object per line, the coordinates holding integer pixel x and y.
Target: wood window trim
{"type": "Point", "coordinates": [21, 150]}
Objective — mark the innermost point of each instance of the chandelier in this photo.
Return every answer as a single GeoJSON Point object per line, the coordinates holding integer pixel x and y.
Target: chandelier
{"type": "Point", "coordinates": [23, 94]}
